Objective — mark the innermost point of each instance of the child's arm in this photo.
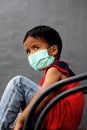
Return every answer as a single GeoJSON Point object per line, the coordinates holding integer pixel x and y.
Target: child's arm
{"type": "Point", "coordinates": [52, 76]}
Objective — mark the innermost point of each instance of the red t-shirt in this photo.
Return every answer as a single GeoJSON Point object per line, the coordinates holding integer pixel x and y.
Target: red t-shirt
{"type": "Point", "coordinates": [67, 114]}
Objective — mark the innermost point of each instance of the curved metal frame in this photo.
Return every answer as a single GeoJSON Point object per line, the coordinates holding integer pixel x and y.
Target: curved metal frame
{"type": "Point", "coordinates": [56, 100]}
{"type": "Point", "coordinates": [62, 83]}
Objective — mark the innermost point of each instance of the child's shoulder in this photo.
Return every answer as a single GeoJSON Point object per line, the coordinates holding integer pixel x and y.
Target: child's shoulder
{"type": "Point", "coordinates": [63, 67]}
{"type": "Point", "coordinates": [55, 72]}
{"type": "Point", "coordinates": [50, 76]}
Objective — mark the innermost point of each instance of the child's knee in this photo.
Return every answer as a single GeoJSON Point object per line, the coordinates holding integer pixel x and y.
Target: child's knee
{"type": "Point", "coordinates": [15, 82]}
{"type": "Point", "coordinates": [19, 81]}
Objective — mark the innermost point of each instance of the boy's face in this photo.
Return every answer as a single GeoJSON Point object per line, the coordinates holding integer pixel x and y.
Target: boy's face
{"type": "Point", "coordinates": [33, 45]}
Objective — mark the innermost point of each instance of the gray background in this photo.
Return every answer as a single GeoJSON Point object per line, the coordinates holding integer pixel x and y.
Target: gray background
{"type": "Point", "coordinates": [69, 17]}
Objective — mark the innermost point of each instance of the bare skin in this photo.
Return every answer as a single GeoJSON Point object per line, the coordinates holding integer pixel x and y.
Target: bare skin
{"type": "Point", "coordinates": [31, 46]}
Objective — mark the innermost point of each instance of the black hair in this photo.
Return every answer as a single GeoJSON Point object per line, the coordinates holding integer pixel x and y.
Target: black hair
{"type": "Point", "coordinates": [50, 35]}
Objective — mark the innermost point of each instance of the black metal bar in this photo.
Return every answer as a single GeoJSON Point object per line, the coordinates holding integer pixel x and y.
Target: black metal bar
{"type": "Point", "coordinates": [28, 122]}
{"type": "Point", "coordinates": [56, 100]}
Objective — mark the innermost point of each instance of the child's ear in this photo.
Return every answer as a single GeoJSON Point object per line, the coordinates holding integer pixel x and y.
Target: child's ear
{"type": "Point", "coordinates": [54, 50]}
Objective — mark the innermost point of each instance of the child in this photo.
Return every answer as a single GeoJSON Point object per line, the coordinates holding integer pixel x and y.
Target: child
{"type": "Point", "coordinates": [43, 46]}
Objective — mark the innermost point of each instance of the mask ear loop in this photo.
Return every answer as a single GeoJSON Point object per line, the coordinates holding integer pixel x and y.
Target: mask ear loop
{"type": "Point", "coordinates": [49, 48]}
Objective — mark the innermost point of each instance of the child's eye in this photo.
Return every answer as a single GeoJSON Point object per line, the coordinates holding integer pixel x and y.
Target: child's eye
{"type": "Point", "coordinates": [36, 48]}
{"type": "Point", "coordinates": [28, 52]}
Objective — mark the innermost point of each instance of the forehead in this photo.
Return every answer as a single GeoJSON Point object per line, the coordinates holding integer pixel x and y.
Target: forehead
{"type": "Point", "coordinates": [31, 41]}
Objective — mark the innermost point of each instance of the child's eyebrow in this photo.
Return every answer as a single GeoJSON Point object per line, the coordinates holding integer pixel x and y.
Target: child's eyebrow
{"type": "Point", "coordinates": [35, 45]}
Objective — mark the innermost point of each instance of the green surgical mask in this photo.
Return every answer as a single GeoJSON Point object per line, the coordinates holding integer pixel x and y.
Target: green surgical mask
{"type": "Point", "coordinates": [40, 60]}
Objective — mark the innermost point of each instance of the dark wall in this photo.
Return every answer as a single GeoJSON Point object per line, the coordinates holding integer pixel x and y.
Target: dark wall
{"type": "Point", "coordinates": [69, 17]}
